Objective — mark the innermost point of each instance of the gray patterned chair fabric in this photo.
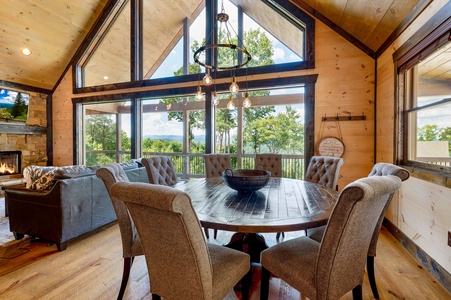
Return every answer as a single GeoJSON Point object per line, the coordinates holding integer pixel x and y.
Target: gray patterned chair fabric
{"type": "Point", "coordinates": [324, 170]}
{"type": "Point", "coordinates": [270, 162]}
{"type": "Point", "coordinates": [330, 269]}
{"type": "Point", "coordinates": [184, 266]}
{"type": "Point", "coordinates": [215, 164]}
{"type": "Point", "coordinates": [160, 170]}
{"type": "Point", "coordinates": [379, 169]}
{"type": "Point", "coordinates": [131, 244]}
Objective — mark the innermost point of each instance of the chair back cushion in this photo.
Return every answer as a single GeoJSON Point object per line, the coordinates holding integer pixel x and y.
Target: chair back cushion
{"type": "Point", "coordinates": [382, 169]}
{"type": "Point", "coordinates": [110, 174]}
{"type": "Point", "coordinates": [176, 253]}
{"type": "Point", "coordinates": [343, 251]}
{"type": "Point", "coordinates": [160, 170]}
{"type": "Point", "coordinates": [324, 170]}
{"type": "Point", "coordinates": [270, 162]}
{"type": "Point", "coordinates": [215, 164]}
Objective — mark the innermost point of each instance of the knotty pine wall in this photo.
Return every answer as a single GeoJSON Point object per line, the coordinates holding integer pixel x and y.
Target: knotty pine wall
{"type": "Point", "coordinates": [422, 210]}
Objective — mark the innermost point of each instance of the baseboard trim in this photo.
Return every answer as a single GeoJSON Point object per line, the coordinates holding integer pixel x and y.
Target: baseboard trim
{"type": "Point", "coordinates": [427, 262]}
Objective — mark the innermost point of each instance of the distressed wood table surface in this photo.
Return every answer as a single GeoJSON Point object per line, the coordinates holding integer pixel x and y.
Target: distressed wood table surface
{"type": "Point", "coordinates": [282, 205]}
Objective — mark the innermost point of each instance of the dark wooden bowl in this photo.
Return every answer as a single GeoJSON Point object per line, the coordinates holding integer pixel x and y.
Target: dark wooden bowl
{"type": "Point", "coordinates": [246, 181]}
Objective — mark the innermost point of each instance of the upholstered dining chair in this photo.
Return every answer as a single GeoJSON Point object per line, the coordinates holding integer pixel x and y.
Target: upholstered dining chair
{"type": "Point", "coordinates": [379, 169]}
{"type": "Point", "coordinates": [323, 170]}
{"type": "Point", "coordinates": [215, 164]}
{"type": "Point", "coordinates": [160, 170]}
{"type": "Point", "coordinates": [184, 266]}
{"type": "Point", "coordinates": [271, 162]}
{"type": "Point", "coordinates": [131, 244]}
{"type": "Point", "coordinates": [330, 269]}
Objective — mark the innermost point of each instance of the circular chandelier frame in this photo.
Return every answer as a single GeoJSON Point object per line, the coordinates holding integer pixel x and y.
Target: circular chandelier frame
{"type": "Point", "coordinates": [218, 46]}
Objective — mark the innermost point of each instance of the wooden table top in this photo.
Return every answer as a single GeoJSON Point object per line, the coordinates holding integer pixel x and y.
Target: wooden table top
{"type": "Point", "coordinates": [282, 205]}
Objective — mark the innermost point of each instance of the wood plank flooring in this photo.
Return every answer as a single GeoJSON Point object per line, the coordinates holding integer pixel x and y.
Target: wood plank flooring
{"type": "Point", "coordinates": [91, 268]}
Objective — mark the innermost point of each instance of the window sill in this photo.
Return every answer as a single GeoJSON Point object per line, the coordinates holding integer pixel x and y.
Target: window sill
{"type": "Point", "coordinates": [439, 175]}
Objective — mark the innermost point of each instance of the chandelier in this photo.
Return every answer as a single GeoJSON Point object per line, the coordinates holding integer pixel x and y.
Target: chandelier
{"type": "Point", "coordinates": [229, 48]}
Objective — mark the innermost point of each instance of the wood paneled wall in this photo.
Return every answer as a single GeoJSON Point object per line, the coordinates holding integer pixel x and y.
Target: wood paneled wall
{"type": "Point", "coordinates": [63, 150]}
{"type": "Point", "coordinates": [422, 209]}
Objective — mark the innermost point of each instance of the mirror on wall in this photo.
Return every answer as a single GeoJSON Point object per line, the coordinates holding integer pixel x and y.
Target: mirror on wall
{"type": "Point", "coordinates": [13, 106]}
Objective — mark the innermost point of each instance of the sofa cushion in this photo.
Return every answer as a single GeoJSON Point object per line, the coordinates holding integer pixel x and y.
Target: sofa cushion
{"type": "Point", "coordinates": [38, 177]}
{"type": "Point", "coordinates": [74, 171]}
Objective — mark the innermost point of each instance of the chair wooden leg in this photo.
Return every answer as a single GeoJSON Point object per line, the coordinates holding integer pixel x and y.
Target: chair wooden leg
{"type": "Point", "coordinates": [246, 285]}
{"type": "Point", "coordinates": [264, 284]}
{"type": "Point", "coordinates": [357, 293]}
{"type": "Point", "coordinates": [216, 234]}
{"type": "Point", "coordinates": [207, 235]}
{"type": "Point", "coordinates": [371, 277]}
{"type": "Point", "coordinates": [280, 233]}
{"type": "Point", "coordinates": [128, 261]}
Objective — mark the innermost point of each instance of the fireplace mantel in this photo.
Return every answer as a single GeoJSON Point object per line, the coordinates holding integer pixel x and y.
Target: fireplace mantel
{"type": "Point", "coordinates": [21, 129]}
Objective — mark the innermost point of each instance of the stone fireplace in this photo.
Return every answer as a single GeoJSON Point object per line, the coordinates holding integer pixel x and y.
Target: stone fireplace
{"type": "Point", "coordinates": [10, 162]}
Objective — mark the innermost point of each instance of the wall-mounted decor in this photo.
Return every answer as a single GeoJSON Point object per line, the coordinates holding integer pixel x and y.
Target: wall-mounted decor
{"type": "Point", "coordinates": [13, 106]}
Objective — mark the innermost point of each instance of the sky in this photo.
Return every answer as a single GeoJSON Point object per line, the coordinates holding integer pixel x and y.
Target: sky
{"type": "Point", "coordinates": [7, 96]}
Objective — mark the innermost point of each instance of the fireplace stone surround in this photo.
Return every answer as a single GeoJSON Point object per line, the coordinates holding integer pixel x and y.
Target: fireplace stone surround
{"type": "Point", "coordinates": [29, 138]}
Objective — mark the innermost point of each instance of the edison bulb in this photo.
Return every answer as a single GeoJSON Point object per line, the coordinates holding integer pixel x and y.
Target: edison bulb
{"type": "Point", "coordinates": [199, 93]}
{"type": "Point", "coordinates": [231, 105]}
{"type": "Point", "coordinates": [207, 78]}
{"type": "Point", "coordinates": [234, 88]}
{"type": "Point", "coordinates": [215, 98]}
{"type": "Point", "coordinates": [247, 103]}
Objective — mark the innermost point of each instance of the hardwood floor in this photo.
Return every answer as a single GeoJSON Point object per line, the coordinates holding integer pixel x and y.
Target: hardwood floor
{"type": "Point", "coordinates": [91, 268]}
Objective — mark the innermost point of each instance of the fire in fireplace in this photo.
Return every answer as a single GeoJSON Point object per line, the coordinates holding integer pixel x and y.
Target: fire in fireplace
{"type": "Point", "coordinates": [10, 163]}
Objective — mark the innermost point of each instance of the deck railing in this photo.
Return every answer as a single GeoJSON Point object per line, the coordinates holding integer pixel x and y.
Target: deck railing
{"type": "Point", "coordinates": [441, 161]}
{"type": "Point", "coordinates": [193, 165]}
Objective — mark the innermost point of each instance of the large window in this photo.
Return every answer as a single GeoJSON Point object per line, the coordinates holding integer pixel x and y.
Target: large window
{"type": "Point", "coordinates": [158, 113]}
{"type": "Point", "coordinates": [425, 99]}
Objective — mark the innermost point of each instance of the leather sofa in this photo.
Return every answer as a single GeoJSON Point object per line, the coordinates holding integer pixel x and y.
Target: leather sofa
{"type": "Point", "coordinates": [76, 203]}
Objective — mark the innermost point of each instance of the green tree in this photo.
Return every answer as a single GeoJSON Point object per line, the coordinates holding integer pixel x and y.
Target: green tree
{"type": "Point", "coordinates": [428, 133]}
{"type": "Point", "coordinates": [445, 135]}
{"type": "Point", "coordinates": [5, 114]}
{"type": "Point", "coordinates": [101, 132]}
{"type": "Point", "coordinates": [20, 108]}
{"type": "Point", "coordinates": [260, 46]}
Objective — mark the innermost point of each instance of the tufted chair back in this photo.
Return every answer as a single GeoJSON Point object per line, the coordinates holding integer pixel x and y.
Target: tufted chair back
{"type": "Point", "coordinates": [324, 170]}
{"type": "Point", "coordinates": [160, 170]}
{"type": "Point", "coordinates": [215, 164]}
{"type": "Point", "coordinates": [271, 163]}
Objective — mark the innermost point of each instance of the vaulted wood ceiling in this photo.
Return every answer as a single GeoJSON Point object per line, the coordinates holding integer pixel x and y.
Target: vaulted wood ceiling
{"type": "Point", "coordinates": [54, 29]}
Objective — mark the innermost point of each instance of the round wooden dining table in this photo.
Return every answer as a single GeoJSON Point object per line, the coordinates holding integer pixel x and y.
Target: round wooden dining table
{"type": "Point", "coordinates": [282, 205]}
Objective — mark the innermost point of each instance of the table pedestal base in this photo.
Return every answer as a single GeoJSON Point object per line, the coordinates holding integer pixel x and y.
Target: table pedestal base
{"type": "Point", "coordinates": [250, 243]}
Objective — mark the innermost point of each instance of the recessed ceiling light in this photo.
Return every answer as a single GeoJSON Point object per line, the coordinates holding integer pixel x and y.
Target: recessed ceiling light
{"type": "Point", "coordinates": [26, 51]}
{"type": "Point", "coordinates": [105, 77]}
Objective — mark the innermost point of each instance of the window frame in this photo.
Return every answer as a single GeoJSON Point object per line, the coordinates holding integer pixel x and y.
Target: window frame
{"type": "Point", "coordinates": [426, 40]}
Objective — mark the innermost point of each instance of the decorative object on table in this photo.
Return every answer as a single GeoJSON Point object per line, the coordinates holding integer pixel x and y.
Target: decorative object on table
{"type": "Point", "coordinates": [246, 181]}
